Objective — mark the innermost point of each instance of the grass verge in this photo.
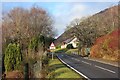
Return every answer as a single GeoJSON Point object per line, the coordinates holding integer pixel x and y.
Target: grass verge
{"type": "Point", "coordinates": [60, 50]}
{"type": "Point", "coordinates": [58, 70]}
{"type": "Point", "coordinates": [68, 51]}
{"type": "Point", "coordinates": [72, 51]}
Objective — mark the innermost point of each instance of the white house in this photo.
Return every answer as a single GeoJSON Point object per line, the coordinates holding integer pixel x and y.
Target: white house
{"type": "Point", "coordinates": [64, 45]}
{"type": "Point", "coordinates": [73, 41]}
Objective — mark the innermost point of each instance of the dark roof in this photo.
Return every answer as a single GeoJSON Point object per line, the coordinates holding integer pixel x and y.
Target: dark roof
{"type": "Point", "coordinates": [68, 40]}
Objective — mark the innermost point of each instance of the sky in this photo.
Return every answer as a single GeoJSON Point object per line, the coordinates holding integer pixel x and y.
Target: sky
{"type": "Point", "coordinates": [62, 12]}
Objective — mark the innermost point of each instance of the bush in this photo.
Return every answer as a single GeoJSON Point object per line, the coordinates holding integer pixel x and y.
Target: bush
{"type": "Point", "coordinates": [60, 50]}
{"type": "Point", "coordinates": [59, 46]}
{"type": "Point", "coordinates": [72, 51]}
{"type": "Point", "coordinates": [33, 44]}
{"type": "Point", "coordinates": [13, 57]}
{"type": "Point", "coordinates": [107, 47]}
{"type": "Point", "coordinates": [69, 46]}
{"type": "Point", "coordinates": [45, 60]}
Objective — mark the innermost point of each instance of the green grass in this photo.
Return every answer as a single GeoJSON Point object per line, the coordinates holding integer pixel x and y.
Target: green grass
{"type": "Point", "coordinates": [60, 50]}
{"type": "Point", "coordinates": [68, 51]}
{"type": "Point", "coordinates": [71, 51]}
{"type": "Point", "coordinates": [56, 69]}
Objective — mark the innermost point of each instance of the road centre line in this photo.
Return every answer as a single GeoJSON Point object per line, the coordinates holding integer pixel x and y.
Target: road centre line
{"type": "Point", "coordinates": [105, 69]}
{"type": "Point", "coordinates": [61, 55]}
{"type": "Point", "coordinates": [76, 59]}
{"type": "Point", "coordinates": [86, 62]}
{"type": "Point", "coordinates": [72, 58]}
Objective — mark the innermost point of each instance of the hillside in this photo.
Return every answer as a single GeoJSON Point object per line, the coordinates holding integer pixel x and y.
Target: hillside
{"type": "Point", "coordinates": [107, 18]}
{"type": "Point", "coordinates": [66, 35]}
{"type": "Point", "coordinates": [107, 47]}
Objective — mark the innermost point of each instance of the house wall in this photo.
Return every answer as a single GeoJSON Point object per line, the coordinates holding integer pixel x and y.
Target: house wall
{"type": "Point", "coordinates": [63, 46]}
{"type": "Point", "coordinates": [52, 47]}
{"type": "Point", "coordinates": [74, 42]}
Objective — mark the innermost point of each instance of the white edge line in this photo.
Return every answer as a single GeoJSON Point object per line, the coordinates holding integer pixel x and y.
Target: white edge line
{"type": "Point", "coordinates": [74, 69]}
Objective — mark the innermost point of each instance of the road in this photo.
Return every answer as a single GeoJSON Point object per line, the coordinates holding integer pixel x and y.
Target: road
{"type": "Point", "coordinates": [90, 69]}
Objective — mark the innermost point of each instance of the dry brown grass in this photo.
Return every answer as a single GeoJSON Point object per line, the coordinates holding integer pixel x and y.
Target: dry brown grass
{"type": "Point", "coordinates": [14, 74]}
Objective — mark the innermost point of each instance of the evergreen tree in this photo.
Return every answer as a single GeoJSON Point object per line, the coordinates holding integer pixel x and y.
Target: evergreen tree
{"type": "Point", "coordinates": [13, 57]}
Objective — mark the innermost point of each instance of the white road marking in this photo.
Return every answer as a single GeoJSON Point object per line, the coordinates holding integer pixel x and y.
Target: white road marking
{"type": "Point", "coordinates": [116, 65]}
{"type": "Point", "coordinates": [74, 69]}
{"type": "Point", "coordinates": [86, 62]}
{"type": "Point", "coordinates": [72, 58]}
{"type": "Point", "coordinates": [77, 59]}
{"type": "Point", "coordinates": [105, 69]}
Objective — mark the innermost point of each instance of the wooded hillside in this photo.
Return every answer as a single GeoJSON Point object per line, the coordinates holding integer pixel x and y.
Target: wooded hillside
{"type": "Point", "coordinates": [107, 47]}
{"type": "Point", "coordinates": [104, 22]}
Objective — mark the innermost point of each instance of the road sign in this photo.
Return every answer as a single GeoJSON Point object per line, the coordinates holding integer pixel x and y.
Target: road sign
{"type": "Point", "coordinates": [52, 46]}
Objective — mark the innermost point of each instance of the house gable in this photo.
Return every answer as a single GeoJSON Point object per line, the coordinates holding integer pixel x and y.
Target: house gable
{"type": "Point", "coordinates": [72, 41]}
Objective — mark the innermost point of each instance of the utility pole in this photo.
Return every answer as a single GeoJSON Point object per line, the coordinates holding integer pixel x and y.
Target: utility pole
{"type": "Point", "coordinates": [52, 55]}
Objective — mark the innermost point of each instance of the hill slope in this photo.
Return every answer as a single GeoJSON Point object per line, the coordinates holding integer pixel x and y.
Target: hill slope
{"type": "Point", "coordinates": [104, 20]}
{"type": "Point", "coordinates": [107, 47]}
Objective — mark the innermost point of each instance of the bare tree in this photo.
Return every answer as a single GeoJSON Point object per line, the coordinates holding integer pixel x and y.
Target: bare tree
{"type": "Point", "coordinates": [85, 31]}
{"type": "Point", "coordinates": [41, 22]}
{"type": "Point", "coordinates": [21, 25]}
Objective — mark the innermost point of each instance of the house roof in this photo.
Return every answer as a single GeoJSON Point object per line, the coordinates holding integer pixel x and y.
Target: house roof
{"type": "Point", "coordinates": [69, 40]}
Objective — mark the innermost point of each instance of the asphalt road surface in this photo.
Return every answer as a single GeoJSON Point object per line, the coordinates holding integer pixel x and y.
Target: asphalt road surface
{"type": "Point", "coordinates": [91, 69]}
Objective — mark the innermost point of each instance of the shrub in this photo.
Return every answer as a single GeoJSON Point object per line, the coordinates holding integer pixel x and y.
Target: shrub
{"type": "Point", "coordinates": [72, 51]}
{"type": "Point", "coordinates": [60, 50]}
{"type": "Point", "coordinates": [59, 46]}
{"type": "Point", "coordinates": [13, 57]}
{"type": "Point", "coordinates": [107, 46]}
{"type": "Point", "coordinates": [69, 46]}
{"type": "Point", "coordinates": [45, 60]}
{"type": "Point", "coordinates": [33, 44]}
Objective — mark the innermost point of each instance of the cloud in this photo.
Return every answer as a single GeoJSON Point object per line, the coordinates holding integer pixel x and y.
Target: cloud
{"type": "Point", "coordinates": [65, 13]}
{"type": "Point", "coordinates": [77, 11]}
